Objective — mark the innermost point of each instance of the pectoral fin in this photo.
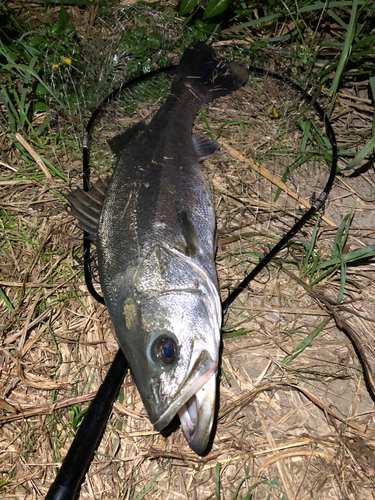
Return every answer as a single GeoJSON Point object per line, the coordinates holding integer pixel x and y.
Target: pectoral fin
{"type": "Point", "coordinates": [204, 147]}
{"type": "Point", "coordinates": [190, 234]}
{"type": "Point", "coordinates": [86, 207]}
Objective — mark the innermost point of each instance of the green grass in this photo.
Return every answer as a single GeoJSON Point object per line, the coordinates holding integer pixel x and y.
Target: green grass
{"type": "Point", "coordinates": [46, 65]}
{"type": "Point", "coordinates": [7, 302]}
{"type": "Point", "coordinates": [239, 494]}
{"type": "Point", "coordinates": [149, 485]}
{"type": "Point", "coordinates": [366, 151]}
{"type": "Point", "coordinates": [339, 260]}
{"type": "Point", "coordinates": [30, 86]}
{"type": "Point", "coordinates": [305, 343]}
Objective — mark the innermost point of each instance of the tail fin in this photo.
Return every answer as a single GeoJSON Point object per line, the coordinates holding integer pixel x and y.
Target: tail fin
{"type": "Point", "coordinates": [207, 77]}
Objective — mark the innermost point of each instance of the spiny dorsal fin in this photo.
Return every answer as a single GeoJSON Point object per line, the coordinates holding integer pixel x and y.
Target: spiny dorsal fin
{"type": "Point", "coordinates": [204, 147]}
{"type": "Point", "coordinates": [87, 207]}
{"type": "Point", "coordinates": [119, 142]}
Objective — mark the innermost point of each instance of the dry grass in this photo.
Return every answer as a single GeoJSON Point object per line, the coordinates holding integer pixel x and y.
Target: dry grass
{"type": "Point", "coordinates": [296, 431]}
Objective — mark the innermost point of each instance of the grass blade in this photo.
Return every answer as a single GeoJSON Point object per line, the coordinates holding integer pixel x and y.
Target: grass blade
{"type": "Point", "coordinates": [149, 484]}
{"type": "Point", "coordinates": [6, 301]}
{"type": "Point", "coordinates": [217, 480]}
{"type": "Point", "coordinates": [254, 22]}
{"type": "Point", "coordinates": [367, 149]}
{"type": "Point", "coordinates": [342, 281]}
{"type": "Point", "coordinates": [346, 49]}
{"type": "Point", "coordinates": [361, 155]}
{"type": "Point", "coordinates": [312, 244]}
{"type": "Point", "coordinates": [305, 342]}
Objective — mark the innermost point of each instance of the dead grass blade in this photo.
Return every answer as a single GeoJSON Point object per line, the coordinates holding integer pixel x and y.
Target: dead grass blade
{"type": "Point", "coordinates": [250, 396]}
{"type": "Point", "coordinates": [35, 156]}
{"type": "Point", "coordinates": [290, 454]}
{"type": "Point", "coordinates": [47, 410]}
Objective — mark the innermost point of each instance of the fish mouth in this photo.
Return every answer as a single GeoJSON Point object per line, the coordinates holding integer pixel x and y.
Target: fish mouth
{"type": "Point", "coordinates": [197, 416]}
{"type": "Point", "coordinates": [196, 406]}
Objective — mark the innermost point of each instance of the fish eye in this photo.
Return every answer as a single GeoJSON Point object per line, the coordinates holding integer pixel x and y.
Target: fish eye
{"type": "Point", "coordinates": [167, 350]}
{"type": "Point", "coordinates": [164, 349]}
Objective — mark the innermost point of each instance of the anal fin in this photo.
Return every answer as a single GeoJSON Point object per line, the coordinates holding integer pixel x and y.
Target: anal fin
{"type": "Point", "coordinates": [190, 234]}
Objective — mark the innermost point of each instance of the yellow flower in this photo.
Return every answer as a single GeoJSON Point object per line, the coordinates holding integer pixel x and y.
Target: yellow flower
{"type": "Point", "coordinates": [55, 66]}
{"type": "Point", "coordinates": [68, 60]}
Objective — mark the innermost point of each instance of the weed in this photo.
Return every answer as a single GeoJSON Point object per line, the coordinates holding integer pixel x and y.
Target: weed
{"type": "Point", "coordinates": [76, 415]}
{"type": "Point", "coordinates": [340, 258]}
{"type": "Point", "coordinates": [150, 483]}
{"type": "Point", "coordinates": [305, 342]}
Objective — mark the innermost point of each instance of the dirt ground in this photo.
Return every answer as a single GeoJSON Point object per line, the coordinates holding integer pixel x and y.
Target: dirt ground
{"type": "Point", "coordinates": [302, 429]}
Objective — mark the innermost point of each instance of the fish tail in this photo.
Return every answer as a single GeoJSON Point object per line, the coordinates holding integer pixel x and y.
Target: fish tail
{"type": "Point", "coordinates": [206, 77]}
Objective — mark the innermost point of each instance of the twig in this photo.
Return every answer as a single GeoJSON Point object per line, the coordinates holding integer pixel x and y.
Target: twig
{"type": "Point", "coordinates": [272, 178]}
{"type": "Point", "coordinates": [8, 166]}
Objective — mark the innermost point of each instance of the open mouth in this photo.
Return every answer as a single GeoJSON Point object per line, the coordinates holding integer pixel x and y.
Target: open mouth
{"type": "Point", "coordinates": [197, 416]}
{"type": "Point", "coordinates": [195, 401]}
{"type": "Point", "coordinates": [196, 408]}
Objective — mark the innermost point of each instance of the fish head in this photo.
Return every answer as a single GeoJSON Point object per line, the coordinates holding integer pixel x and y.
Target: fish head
{"type": "Point", "coordinates": [170, 334]}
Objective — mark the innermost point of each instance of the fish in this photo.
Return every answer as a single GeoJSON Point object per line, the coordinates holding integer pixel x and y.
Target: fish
{"type": "Point", "coordinates": [153, 224]}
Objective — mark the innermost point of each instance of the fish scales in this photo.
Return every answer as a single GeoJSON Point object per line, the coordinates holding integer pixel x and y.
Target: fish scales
{"type": "Point", "coordinates": [156, 244]}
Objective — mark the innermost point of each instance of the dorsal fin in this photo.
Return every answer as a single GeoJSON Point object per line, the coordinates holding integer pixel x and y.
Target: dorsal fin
{"type": "Point", "coordinates": [86, 207]}
{"type": "Point", "coordinates": [119, 142]}
{"type": "Point", "coordinates": [204, 147]}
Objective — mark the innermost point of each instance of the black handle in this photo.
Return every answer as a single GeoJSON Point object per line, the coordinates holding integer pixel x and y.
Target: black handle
{"type": "Point", "coordinates": [78, 458]}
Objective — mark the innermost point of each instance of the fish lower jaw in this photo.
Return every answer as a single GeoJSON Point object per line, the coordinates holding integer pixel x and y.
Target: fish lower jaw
{"type": "Point", "coordinates": [197, 416]}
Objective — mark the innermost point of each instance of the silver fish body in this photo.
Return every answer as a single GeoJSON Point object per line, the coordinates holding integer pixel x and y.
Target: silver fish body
{"type": "Point", "coordinates": [156, 244]}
